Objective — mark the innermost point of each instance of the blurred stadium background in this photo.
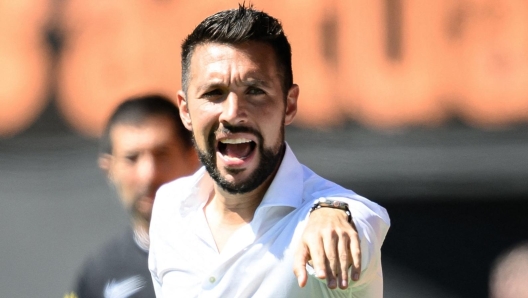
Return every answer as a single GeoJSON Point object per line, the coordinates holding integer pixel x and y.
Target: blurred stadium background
{"type": "Point", "coordinates": [421, 106]}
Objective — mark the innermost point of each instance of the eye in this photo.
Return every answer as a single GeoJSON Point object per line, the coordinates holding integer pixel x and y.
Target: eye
{"type": "Point", "coordinates": [131, 158]}
{"type": "Point", "coordinates": [212, 93]}
{"type": "Point", "coordinates": [162, 153]}
{"type": "Point", "coordinates": [255, 91]}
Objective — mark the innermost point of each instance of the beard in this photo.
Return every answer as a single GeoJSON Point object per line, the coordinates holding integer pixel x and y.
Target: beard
{"type": "Point", "coordinates": [137, 202]}
{"type": "Point", "coordinates": [269, 159]}
{"type": "Point", "coordinates": [141, 208]}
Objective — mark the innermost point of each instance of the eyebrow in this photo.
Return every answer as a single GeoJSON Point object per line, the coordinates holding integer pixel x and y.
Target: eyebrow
{"type": "Point", "coordinates": [255, 82]}
{"type": "Point", "coordinates": [251, 82]}
{"type": "Point", "coordinates": [208, 86]}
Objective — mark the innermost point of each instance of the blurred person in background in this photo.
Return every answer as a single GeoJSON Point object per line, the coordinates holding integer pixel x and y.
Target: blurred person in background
{"type": "Point", "coordinates": [509, 273]}
{"type": "Point", "coordinates": [145, 145]}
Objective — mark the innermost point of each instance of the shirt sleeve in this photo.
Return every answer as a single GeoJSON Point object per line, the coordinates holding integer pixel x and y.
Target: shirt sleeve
{"type": "Point", "coordinates": [153, 270]}
{"type": "Point", "coordinates": [372, 223]}
{"type": "Point", "coordinates": [154, 231]}
{"type": "Point", "coordinates": [157, 285]}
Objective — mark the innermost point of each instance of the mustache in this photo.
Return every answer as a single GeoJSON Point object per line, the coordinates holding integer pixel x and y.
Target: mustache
{"type": "Point", "coordinates": [230, 129]}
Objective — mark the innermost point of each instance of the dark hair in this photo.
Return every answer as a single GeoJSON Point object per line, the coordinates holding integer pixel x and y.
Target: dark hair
{"type": "Point", "coordinates": [135, 110]}
{"type": "Point", "coordinates": [237, 26]}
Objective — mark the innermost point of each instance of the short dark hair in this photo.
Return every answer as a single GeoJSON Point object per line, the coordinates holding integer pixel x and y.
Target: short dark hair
{"type": "Point", "coordinates": [237, 26]}
{"type": "Point", "coordinates": [135, 110]}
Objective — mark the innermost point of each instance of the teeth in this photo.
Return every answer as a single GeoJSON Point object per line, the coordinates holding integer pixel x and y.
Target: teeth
{"type": "Point", "coordinates": [235, 141]}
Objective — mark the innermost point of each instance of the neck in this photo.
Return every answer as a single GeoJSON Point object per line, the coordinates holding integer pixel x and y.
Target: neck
{"type": "Point", "coordinates": [232, 209]}
{"type": "Point", "coordinates": [227, 212]}
{"type": "Point", "coordinates": [237, 208]}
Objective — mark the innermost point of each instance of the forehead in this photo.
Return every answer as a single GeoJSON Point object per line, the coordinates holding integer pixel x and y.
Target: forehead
{"type": "Point", "coordinates": [150, 133]}
{"type": "Point", "coordinates": [249, 58]}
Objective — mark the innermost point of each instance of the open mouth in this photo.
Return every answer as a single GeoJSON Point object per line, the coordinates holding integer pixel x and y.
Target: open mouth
{"type": "Point", "coordinates": [239, 148]}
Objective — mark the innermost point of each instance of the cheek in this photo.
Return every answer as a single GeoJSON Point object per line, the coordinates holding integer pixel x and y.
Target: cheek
{"type": "Point", "coordinates": [126, 189]}
{"type": "Point", "coordinates": [203, 122]}
{"type": "Point", "coordinates": [271, 129]}
{"type": "Point", "coordinates": [126, 178]}
{"type": "Point", "coordinates": [273, 140]}
{"type": "Point", "coordinates": [270, 114]}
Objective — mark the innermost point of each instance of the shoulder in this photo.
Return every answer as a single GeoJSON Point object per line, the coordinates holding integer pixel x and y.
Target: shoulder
{"type": "Point", "coordinates": [97, 264]}
{"type": "Point", "coordinates": [106, 254]}
{"type": "Point", "coordinates": [171, 196]}
{"type": "Point", "coordinates": [316, 187]}
{"type": "Point", "coordinates": [119, 259]}
{"type": "Point", "coordinates": [178, 189]}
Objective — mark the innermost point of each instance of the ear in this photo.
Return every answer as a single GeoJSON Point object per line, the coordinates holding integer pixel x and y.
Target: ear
{"type": "Point", "coordinates": [104, 162]}
{"type": "Point", "coordinates": [291, 104]}
{"type": "Point", "coordinates": [184, 110]}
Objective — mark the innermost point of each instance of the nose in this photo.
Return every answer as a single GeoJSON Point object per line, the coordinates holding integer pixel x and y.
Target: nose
{"type": "Point", "coordinates": [233, 109]}
{"type": "Point", "coordinates": [147, 170]}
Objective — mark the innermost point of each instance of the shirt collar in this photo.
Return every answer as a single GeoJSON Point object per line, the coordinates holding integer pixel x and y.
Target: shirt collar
{"type": "Point", "coordinates": [286, 189]}
{"type": "Point", "coordinates": [201, 186]}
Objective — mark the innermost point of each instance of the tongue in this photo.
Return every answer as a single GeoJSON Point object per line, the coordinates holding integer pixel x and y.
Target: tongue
{"type": "Point", "coordinates": [238, 150]}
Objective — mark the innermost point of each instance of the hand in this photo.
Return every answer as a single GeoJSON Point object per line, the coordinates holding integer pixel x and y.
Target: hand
{"type": "Point", "coordinates": [332, 246]}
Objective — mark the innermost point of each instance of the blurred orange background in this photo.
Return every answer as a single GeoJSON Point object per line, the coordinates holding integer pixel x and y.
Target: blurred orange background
{"type": "Point", "coordinates": [421, 106]}
{"type": "Point", "coordinates": [384, 64]}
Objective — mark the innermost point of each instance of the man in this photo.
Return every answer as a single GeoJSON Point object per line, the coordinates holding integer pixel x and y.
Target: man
{"type": "Point", "coordinates": [144, 146]}
{"type": "Point", "coordinates": [242, 215]}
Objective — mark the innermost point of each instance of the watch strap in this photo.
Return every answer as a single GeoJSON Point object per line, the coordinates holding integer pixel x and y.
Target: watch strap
{"type": "Point", "coordinates": [335, 204]}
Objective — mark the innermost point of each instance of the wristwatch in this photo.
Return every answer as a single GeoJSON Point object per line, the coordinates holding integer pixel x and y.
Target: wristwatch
{"type": "Point", "coordinates": [329, 203]}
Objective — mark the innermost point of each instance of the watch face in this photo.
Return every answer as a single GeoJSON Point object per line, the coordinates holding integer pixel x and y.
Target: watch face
{"type": "Point", "coordinates": [324, 202]}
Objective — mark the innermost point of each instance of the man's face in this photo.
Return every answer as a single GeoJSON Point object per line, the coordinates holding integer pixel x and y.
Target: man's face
{"type": "Point", "coordinates": [237, 109]}
{"type": "Point", "coordinates": [144, 157]}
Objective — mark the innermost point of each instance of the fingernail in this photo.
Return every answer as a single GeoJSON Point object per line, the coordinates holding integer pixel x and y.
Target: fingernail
{"type": "Point", "coordinates": [320, 273]}
{"type": "Point", "coordinates": [344, 284]}
{"type": "Point", "coordinates": [356, 276]}
{"type": "Point", "coordinates": [332, 283]}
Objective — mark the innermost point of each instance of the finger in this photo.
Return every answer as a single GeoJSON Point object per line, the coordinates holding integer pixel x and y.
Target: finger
{"type": "Point", "coordinates": [356, 256]}
{"type": "Point", "coordinates": [318, 259]}
{"type": "Point", "coordinates": [345, 261]}
{"type": "Point", "coordinates": [331, 261]}
{"type": "Point", "coordinates": [299, 265]}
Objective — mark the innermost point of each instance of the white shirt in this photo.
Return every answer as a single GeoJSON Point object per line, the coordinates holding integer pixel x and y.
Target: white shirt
{"type": "Point", "coordinates": [257, 261]}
